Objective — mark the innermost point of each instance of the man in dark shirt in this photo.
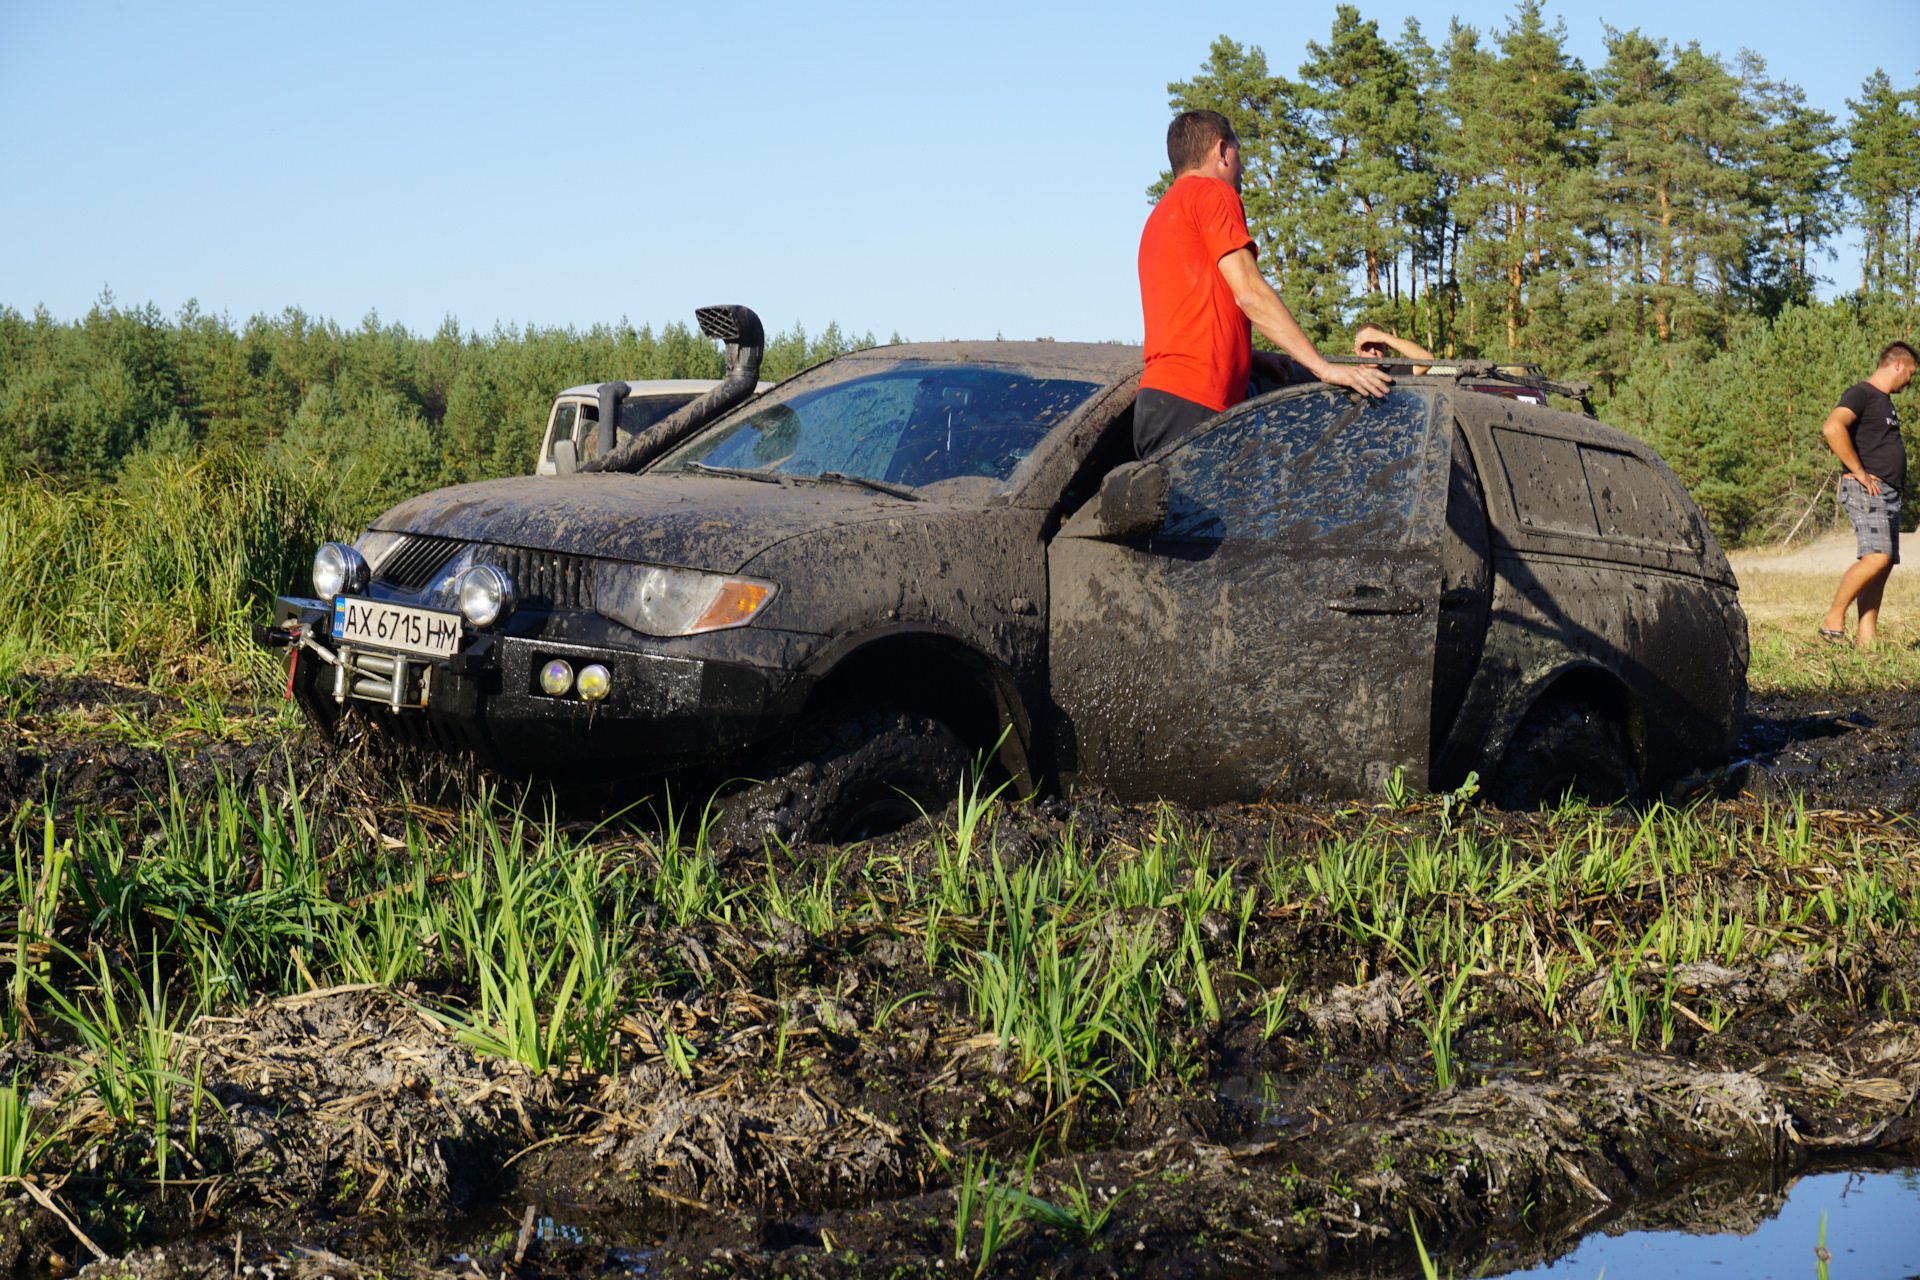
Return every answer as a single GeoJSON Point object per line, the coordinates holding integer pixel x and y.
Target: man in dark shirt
{"type": "Point", "coordinates": [1864, 431]}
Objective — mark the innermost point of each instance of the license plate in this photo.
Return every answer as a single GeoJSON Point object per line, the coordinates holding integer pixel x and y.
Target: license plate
{"type": "Point", "coordinates": [379, 625]}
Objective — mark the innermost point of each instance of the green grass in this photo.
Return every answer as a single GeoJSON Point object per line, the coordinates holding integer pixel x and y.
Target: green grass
{"type": "Point", "coordinates": [1783, 611]}
{"type": "Point", "coordinates": [169, 565]}
{"type": "Point", "coordinates": [132, 1056]}
{"type": "Point", "coordinates": [988, 1210]}
{"type": "Point", "coordinates": [20, 1148]}
{"type": "Point", "coordinates": [1098, 973]}
{"type": "Point", "coordinates": [539, 925]}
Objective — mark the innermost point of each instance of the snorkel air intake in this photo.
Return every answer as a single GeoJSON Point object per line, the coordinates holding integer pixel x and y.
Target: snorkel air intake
{"type": "Point", "coordinates": [746, 342]}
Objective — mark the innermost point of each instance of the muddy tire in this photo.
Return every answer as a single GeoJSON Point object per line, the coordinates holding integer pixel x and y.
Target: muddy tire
{"type": "Point", "coordinates": [1565, 746]}
{"type": "Point", "coordinates": [849, 775]}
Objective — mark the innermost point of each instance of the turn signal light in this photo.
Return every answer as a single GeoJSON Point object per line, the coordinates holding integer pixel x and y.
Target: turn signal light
{"type": "Point", "coordinates": [735, 603]}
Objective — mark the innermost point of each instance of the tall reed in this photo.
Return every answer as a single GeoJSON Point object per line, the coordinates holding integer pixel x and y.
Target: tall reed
{"type": "Point", "coordinates": [177, 555]}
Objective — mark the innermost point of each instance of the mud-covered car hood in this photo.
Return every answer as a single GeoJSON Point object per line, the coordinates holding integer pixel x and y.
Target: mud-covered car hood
{"type": "Point", "coordinates": [695, 522]}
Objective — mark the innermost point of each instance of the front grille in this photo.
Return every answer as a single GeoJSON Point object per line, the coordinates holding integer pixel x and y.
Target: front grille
{"type": "Point", "coordinates": [418, 557]}
{"type": "Point", "coordinates": [544, 579]}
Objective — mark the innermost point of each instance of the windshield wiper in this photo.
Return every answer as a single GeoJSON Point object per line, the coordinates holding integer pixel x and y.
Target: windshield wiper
{"type": "Point", "coordinates": [739, 473]}
{"type": "Point", "coordinates": [878, 486]}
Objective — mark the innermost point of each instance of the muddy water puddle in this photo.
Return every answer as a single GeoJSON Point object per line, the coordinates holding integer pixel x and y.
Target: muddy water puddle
{"type": "Point", "coordinates": [1865, 1222]}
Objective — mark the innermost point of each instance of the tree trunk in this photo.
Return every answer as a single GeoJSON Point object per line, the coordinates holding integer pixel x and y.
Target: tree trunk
{"type": "Point", "coordinates": [1662, 322]}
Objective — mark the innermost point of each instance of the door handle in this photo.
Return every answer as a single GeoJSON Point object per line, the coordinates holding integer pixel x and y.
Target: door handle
{"type": "Point", "coordinates": [1378, 604]}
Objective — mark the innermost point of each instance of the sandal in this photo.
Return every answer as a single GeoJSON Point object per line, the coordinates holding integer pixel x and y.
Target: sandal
{"type": "Point", "coordinates": [1832, 637]}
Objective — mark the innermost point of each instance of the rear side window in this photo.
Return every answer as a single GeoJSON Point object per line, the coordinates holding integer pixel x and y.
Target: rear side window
{"type": "Point", "coordinates": [1563, 487]}
{"type": "Point", "coordinates": [1548, 481]}
{"type": "Point", "coordinates": [1302, 469]}
{"type": "Point", "coordinates": [1630, 500]}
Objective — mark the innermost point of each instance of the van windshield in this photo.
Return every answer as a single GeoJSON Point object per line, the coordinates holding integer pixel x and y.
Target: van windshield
{"type": "Point", "coordinates": [637, 413]}
{"type": "Point", "coordinates": [911, 424]}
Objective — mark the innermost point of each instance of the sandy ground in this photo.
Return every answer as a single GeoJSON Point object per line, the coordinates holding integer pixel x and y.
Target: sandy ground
{"type": "Point", "coordinates": [1829, 554]}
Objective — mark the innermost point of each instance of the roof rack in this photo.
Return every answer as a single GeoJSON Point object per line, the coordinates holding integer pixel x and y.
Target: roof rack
{"type": "Point", "coordinates": [1521, 375]}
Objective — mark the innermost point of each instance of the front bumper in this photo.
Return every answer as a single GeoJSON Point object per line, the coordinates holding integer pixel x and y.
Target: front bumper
{"type": "Point", "coordinates": [663, 710]}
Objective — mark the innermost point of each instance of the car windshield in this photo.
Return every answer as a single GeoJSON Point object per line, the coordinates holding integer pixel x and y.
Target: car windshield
{"type": "Point", "coordinates": [913, 423]}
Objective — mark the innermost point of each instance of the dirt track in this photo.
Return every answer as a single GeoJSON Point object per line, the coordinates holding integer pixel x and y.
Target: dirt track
{"type": "Point", "coordinates": [1827, 555]}
{"type": "Point", "coordinates": [361, 1135]}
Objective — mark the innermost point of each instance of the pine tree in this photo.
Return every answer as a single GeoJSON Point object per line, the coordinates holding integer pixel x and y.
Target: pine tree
{"type": "Point", "coordinates": [1365, 105]}
{"type": "Point", "coordinates": [1517, 151]}
{"type": "Point", "coordinates": [1882, 171]}
{"type": "Point", "coordinates": [1675, 135]}
{"type": "Point", "coordinates": [1429, 219]}
{"type": "Point", "coordinates": [1798, 172]}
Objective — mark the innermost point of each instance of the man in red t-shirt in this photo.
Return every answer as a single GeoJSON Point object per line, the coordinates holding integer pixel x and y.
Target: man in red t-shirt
{"type": "Point", "coordinates": [1202, 291]}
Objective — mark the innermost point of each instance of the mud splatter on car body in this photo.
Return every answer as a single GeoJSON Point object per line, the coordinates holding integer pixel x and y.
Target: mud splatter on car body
{"type": "Point", "coordinates": [1301, 597]}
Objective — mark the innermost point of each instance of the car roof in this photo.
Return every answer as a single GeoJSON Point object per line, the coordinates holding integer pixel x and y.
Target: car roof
{"type": "Point", "coordinates": [656, 387]}
{"type": "Point", "coordinates": [1105, 361]}
{"type": "Point", "coordinates": [1493, 409]}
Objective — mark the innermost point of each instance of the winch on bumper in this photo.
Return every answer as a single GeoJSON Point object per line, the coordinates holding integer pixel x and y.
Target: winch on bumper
{"type": "Point", "coordinates": [487, 696]}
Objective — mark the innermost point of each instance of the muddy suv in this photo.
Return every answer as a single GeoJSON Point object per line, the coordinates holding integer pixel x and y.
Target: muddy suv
{"type": "Point", "coordinates": [852, 585]}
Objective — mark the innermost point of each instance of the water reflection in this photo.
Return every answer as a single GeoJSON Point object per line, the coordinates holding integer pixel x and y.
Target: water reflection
{"type": "Point", "coordinates": [1872, 1230]}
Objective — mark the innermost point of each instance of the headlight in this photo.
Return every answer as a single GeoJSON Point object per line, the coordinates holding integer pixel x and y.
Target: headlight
{"type": "Point", "coordinates": [595, 682]}
{"type": "Point", "coordinates": [660, 601]}
{"type": "Point", "coordinates": [486, 595]}
{"type": "Point", "coordinates": [338, 567]}
{"type": "Point", "coordinates": [556, 678]}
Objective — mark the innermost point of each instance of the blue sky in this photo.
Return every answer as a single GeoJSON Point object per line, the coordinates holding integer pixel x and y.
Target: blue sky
{"type": "Point", "coordinates": [940, 172]}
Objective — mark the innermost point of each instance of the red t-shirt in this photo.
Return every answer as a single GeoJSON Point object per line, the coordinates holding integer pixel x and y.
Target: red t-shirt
{"type": "Point", "coordinates": [1199, 342]}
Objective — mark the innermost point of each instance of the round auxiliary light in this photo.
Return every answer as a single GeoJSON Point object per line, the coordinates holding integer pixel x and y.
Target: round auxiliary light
{"type": "Point", "coordinates": [596, 682]}
{"type": "Point", "coordinates": [556, 678]}
{"type": "Point", "coordinates": [338, 567]}
{"type": "Point", "coordinates": [486, 595]}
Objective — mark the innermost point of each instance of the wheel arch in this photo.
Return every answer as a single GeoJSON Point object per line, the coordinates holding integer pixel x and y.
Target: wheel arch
{"type": "Point", "coordinates": [1588, 682]}
{"type": "Point", "coordinates": [926, 670]}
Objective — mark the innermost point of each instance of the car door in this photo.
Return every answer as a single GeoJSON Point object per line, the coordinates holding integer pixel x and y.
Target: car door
{"type": "Point", "coordinates": [1275, 637]}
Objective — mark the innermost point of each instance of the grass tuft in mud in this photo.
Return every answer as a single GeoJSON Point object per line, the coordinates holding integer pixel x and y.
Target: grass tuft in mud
{"type": "Point", "coordinates": [1124, 1035]}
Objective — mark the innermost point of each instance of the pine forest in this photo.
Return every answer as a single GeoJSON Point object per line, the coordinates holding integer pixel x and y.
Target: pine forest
{"type": "Point", "coordinates": [1663, 224]}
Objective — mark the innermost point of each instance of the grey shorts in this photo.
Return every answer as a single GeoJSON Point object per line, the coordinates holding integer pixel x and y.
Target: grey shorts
{"type": "Point", "coordinates": [1876, 519]}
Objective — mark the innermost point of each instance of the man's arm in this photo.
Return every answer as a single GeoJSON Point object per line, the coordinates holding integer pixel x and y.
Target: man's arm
{"type": "Point", "coordinates": [1840, 440]}
{"type": "Point", "coordinates": [1271, 364]}
{"type": "Point", "coordinates": [1271, 317]}
{"type": "Point", "coordinates": [1373, 341]}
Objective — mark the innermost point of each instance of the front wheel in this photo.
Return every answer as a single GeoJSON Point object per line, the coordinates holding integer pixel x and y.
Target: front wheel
{"type": "Point", "coordinates": [1564, 747]}
{"type": "Point", "coordinates": [849, 775]}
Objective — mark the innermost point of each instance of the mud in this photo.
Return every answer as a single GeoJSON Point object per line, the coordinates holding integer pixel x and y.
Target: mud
{"type": "Point", "coordinates": [1855, 751]}
{"type": "Point", "coordinates": [357, 1134]}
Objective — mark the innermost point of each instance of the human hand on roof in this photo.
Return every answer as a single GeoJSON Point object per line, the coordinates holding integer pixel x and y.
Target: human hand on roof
{"type": "Point", "coordinates": [1364, 378]}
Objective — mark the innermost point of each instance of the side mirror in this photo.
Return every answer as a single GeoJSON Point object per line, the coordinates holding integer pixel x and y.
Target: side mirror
{"type": "Point", "coordinates": [566, 458]}
{"type": "Point", "coordinates": [1132, 503]}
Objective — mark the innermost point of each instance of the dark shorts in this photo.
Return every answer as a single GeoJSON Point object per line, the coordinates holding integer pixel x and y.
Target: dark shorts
{"type": "Point", "coordinates": [1876, 518]}
{"type": "Point", "coordinates": [1160, 416]}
